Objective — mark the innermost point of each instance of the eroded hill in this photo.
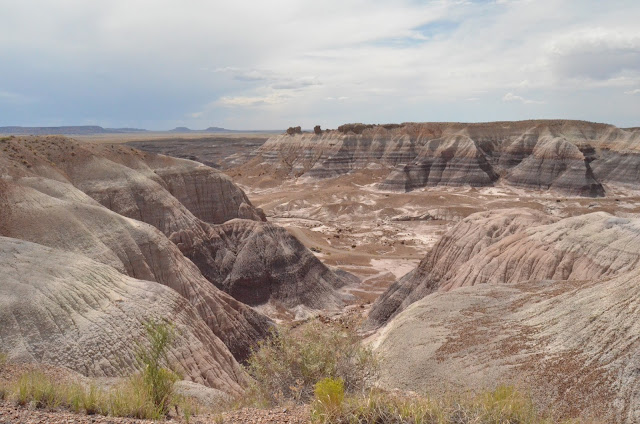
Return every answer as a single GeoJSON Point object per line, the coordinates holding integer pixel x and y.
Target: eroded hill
{"type": "Point", "coordinates": [570, 157]}
{"type": "Point", "coordinates": [111, 217]}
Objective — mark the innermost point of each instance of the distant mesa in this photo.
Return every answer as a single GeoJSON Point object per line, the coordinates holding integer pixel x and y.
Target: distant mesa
{"type": "Point", "coordinates": [95, 129]}
{"type": "Point", "coordinates": [184, 130]}
{"type": "Point", "coordinates": [181, 130]}
{"type": "Point", "coordinates": [67, 130]}
{"type": "Point", "coordinates": [216, 129]}
{"type": "Point", "coordinates": [207, 130]}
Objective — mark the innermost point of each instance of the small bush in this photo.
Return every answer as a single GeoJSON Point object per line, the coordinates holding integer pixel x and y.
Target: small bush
{"type": "Point", "coordinates": [329, 391]}
{"type": "Point", "coordinates": [287, 365]}
{"type": "Point", "coordinates": [157, 380]}
{"type": "Point", "coordinates": [506, 404]}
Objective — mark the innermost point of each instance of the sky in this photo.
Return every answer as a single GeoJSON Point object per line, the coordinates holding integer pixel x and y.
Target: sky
{"type": "Point", "coordinates": [271, 64]}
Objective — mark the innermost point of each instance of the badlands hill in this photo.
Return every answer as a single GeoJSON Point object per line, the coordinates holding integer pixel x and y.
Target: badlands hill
{"type": "Point", "coordinates": [516, 296]}
{"type": "Point", "coordinates": [571, 157]}
{"type": "Point", "coordinates": [64, 309]}
{"type": "Point", "coordinates": [98, 238]}
{"type": "Point", "coordinates": [508, 246]}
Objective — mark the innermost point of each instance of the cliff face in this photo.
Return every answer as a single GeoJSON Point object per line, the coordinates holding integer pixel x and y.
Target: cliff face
{"type": "Point", "coordinates": [571, 157]}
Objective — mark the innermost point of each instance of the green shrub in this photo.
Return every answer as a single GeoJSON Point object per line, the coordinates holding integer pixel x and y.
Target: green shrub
{"type": "Point", "coordinates": [329, 395]}
{"type": "Point", "coordinates": [157, 380]}
{"type": "Point", "coordinates": [329, 392]}
{"type": "Point", "coordinates": [287, 365]}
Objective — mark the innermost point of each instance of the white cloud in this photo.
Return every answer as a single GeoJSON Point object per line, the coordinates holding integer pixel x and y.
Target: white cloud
{"type": "Point", "coordinates": [510, 97]}
{"type": "Point", "coordinates": [596, 53]}
{"type": "Point", "coordinates": [636, 91]}
{"type": "Point", "coordinates": [248, 101]}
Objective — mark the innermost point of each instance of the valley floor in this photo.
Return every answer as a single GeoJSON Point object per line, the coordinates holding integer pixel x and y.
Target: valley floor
{"type": "Point", "coordinates": [379, 235]}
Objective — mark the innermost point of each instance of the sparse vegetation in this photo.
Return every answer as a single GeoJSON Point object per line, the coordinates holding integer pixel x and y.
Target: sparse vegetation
{"type": "Point", "coordinates": [3, 360]}
{"type": "Point", "coordinates": [502, 405]}
{"type": "Point", "coordinates": [89, 400]}
{"type": "Point", "coordinates": [329, 367]}
{"type": "Point", "coordinates": [148, 394]}
{"type": "Point", "coordinates": [287, 366]}
{"type": "Point", "coordinates": [35, 387]}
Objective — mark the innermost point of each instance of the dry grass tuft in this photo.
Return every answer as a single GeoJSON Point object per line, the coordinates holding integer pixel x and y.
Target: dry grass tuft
{"type": "Point", "coordinates": [504, 405]}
